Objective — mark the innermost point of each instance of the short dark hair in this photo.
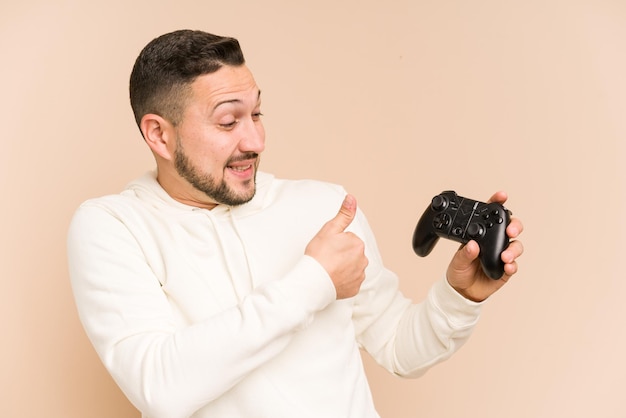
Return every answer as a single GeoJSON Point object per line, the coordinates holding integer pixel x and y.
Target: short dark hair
{"type": "Point", "coordinates": [163, 71]}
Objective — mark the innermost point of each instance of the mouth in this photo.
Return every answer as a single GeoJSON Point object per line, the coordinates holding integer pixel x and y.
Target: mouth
{"type": "Point", "coordinates": [240, 168]}
{"type": "Point", "coordinates": [243, 165]}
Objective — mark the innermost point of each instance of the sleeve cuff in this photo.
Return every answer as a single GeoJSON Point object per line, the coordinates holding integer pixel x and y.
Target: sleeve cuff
{"type": "Point", "coordinates": [459, 311]}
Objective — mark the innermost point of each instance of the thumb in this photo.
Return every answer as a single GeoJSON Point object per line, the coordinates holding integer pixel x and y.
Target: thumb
{"type": "Point", "coordinates": [344, 217]}
{"type": "Point", "coordinates": [465, 257]}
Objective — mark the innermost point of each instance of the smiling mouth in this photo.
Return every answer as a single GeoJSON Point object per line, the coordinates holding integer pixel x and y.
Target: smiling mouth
{"type": "Point", "coordinates": [242, 162]}
{"type": "Point", "coordinates": [240, 168]}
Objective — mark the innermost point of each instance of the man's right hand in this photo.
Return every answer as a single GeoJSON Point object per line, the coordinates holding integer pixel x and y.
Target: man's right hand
{"type": "Point", "coordinates": [341, 253]}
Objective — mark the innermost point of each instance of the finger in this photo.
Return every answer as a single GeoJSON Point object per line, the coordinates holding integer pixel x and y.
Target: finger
{"type": "Point", "coordinates": [513, 251]}
{"type": "Point", "coordinates": [509, 270]}
{"type": "Point", "coordinates": [515, 228]}
{"type": "Point", "coordinates": [344, 217]}
{"type": "Point", "coordinates": [499, 197]}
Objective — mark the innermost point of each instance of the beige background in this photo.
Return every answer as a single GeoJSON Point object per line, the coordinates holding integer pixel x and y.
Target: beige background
{"type": "Point", "coordinates": [396, 100]}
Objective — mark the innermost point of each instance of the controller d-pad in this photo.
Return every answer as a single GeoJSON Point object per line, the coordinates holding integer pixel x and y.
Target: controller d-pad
{"type": "Point", "coordinates": [442, 220]}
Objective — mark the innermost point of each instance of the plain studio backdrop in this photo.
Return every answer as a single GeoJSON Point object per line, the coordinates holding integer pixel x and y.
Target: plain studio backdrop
{"type": "Point", "coordinates": [397, 101]}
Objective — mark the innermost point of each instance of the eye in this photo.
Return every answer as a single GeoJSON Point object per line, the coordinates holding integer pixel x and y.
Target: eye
{"type": "Point", "coordinates": [229, 125]}
{"type": "Point", "coordinates": [256, 116]}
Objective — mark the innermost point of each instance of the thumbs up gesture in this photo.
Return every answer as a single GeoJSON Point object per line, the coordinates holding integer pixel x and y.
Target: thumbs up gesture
{"type": "Point", "coordinates": [341, 253]}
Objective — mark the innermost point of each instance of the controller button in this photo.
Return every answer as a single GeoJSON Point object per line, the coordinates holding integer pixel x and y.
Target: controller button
{"type": "Point", "coordinates": [439, 203]}
{"type": "Point", "coordinates": [458, 231]}
{"type": "Point", "coordinates": [500, 220]}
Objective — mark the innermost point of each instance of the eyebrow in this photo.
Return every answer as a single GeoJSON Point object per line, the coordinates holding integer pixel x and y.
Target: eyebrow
{"type": "Point", "coordinates": [234, 101]}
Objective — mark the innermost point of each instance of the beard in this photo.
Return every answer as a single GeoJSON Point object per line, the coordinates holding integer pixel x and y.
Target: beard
{"type": "Point", "coordinates": [218, 191]}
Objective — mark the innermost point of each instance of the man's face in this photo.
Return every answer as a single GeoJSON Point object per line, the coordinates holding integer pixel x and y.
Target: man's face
{"type": "Point", "coordinates": [220, 137]}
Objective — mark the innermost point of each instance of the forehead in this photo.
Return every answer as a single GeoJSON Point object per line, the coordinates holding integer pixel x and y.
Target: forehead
{"type": "Point", "coordinates": [228, 84]}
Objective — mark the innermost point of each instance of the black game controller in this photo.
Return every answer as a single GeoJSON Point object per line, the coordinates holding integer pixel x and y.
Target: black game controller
{"type": "Point", "coordinates": [460, 219]}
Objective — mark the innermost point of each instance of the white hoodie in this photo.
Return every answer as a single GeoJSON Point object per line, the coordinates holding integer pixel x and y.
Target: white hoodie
{"type": "Point", "coordinates": [217, 313]}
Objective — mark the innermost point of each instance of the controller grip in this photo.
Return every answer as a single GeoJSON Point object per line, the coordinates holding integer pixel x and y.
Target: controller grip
{"type": "Point", "coordinates": [491, 255]}
{"type": "Point", "coordinates": [424, 238]}
{"type": "Point", "coordinates": [492, 270]}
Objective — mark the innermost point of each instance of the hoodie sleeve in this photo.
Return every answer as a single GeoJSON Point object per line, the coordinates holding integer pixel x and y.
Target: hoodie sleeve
{"type": "Point", "coordinates": [165, 371]}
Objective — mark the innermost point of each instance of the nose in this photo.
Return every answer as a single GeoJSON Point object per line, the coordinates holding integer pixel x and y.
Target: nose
{"type": "Point", "coordinates": [252, 137]}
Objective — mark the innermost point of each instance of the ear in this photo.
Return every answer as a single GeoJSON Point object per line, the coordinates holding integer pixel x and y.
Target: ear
{"type": "Point", "coordinates": [159, 135]}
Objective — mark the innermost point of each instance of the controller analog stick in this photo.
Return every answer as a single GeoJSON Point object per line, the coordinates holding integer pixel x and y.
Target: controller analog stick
{"type": "Point", "coordinates": [475, 230]}
{"type": "Point", "coordinates": [439, 203]}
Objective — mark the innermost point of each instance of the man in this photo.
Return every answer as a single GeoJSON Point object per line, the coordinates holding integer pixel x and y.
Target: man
{"type": "Point", "coordinates": [210, 289]}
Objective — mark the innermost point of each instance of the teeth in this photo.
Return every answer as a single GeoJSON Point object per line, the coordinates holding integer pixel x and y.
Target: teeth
{"type": "Point", "coordinates": [240, 168]}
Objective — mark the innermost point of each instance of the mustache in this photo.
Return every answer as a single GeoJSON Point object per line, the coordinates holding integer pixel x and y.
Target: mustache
{"type": "Point", "coordinates": [243, 157]}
